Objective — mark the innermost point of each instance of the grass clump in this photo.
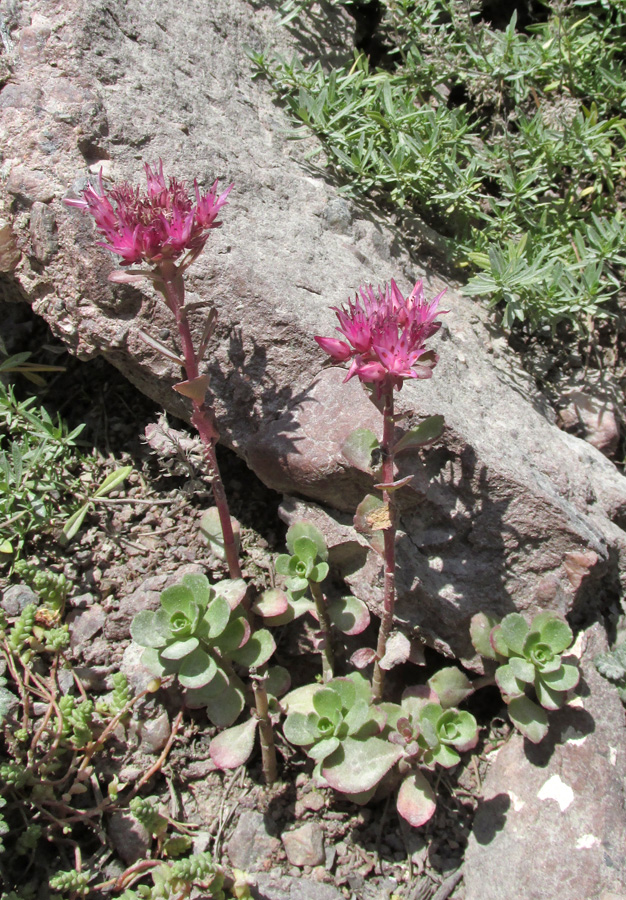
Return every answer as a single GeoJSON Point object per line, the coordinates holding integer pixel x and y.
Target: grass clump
{"type": "Point", "coordinates": [510, 141]}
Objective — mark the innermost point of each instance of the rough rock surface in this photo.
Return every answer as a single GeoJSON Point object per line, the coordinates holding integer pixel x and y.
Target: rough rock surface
{"type": "Point", "coordinates": [506, 512]}
{"type": "Point", "coordinates": [559, 804]}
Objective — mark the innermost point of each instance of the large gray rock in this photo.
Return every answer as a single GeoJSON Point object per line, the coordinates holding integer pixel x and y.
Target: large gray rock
{"type": "Point", "coordinates": [552, 823]}
{"type": "Point", "coordinates": [506, 512]}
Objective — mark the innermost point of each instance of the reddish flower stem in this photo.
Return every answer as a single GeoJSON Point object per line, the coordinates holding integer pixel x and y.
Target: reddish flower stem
{"type": "Point", "coordinates": [172, 286]}
{"type": "Point", "coordinates": [389, 596]}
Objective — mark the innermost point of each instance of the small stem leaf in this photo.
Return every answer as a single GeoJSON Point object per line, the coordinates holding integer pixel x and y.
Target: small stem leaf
{"type": "Point", "coordinates": [362, 450]}
{"type": "Point", "coordinates": [113, 481]}
{"type": "Point", "coordinates": [144, 632]}
{"type": "Point", "coordinates": [75, 521]}
{"type": "Point", "coordinates": [233, 590]}
{"type": "Point", "coordinates": [391, 486]}
{"type": "Point", "coordinates": [308, 530]}
{"type": "Point", "coordinates": [554, 632]}
{"type": "Point", "coordinates": [425, 433]}
{"type": "Point", "coordinates": [362, 658]}
{"type": "Point", "coordinates": [514, 631]}
{"type": "Point", "coordinates": [162, 349]}
{"type": "Point", "coordinates": [451, 686]}
{"type": "Point", "coordinates": [233, 747]}
{"type": "Point", "coordinates": [197, 669]}
{"type": "Point", "coordinates": [180, 649]}
{"type": "Point", "coordinates": [322, 749]}
{"type": "Point", "coordinates": [359, 765]}
{"type": "Point", "coordinates": [305, 549]}
{"type": "Point", "coordinates": [529, 718]}
{"type": "Point", "coordinates": [480, 629]}
{"type": "Point", "coordinates": [547, 696]}
{"type": "Point", "coordinates": [522, 669]}
{"type": "Point", "coordinates": [509, 685]}
{"type": "Point", "coordinates": [564, 679]}
{"type": "Point", "coordinates": [416, 800]}
{"type": "Point", "coordinates": [397, 651]}
{"type": "Point", "coordinates": [349, 615]}
{"type": "Point", "coordinates": [195, 389]}
{"type": "Point", "coordinates": [256, 651]}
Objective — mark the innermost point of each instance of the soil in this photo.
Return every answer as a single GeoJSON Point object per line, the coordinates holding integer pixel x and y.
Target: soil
{"type": "Point", "coordinates": [150, 529]}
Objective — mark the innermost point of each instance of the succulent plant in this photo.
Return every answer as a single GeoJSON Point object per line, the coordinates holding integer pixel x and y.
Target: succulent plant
{"type": "Point", "coordinates": [198, 632]}
{"type": "Point", "coordinates": [530, 660]}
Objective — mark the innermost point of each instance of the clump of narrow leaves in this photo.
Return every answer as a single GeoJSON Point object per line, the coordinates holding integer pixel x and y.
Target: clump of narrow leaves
{"type": "Point", "coordinates": [200, 632]}
{"type": "Point", "coordinates": [532, 674]}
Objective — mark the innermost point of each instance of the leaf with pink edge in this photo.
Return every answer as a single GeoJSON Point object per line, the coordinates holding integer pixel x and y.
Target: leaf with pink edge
{"type": "Point", "coordinates": [278, 681]}
{"type": "Point", "coordinates": [256, 651]}
{"type": "Point", "coordinates": [233, 590]}
{"type": "Point", "coordinates": [424, 433]}
{"type": "Point", "coordinates": [359, 765]}
{"type": "Point", "coordinates": [529, 718]}
{"type": "Point", "coordinates": [297, 607]}
{"type": "Point", "coordinates": [362, 450]}
{"type": "Point", "coordinates": [416, 800]}
{"type": "Point", "coordinates": [481, 626]}
{"type": "Point", "coordinates": [349, 615]}
{"type": "Point", "coordinates": [235, 635]}
{"type": "Point", "coordinates": [362, 658]}
{"type": "Point", "coordinates": [271, 603]}
{"type": "Point", "coordinates": [451, 686]}
{"type": "Point", "coordinates": [233, 747]}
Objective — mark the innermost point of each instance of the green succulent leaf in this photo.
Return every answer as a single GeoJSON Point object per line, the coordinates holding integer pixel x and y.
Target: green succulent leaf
{"type": "Point", "coordinates": [547, 696]}
{"type": "Point", "coordinates": [218, 616]}
{"type": "Point", "coordinates": [480, 629]}
{"type": "Point", "coordinates": [319, 572]}
{"type": "Point", "coordinates": [197, 669]}
{"type": "Point", "coordinates": [564, 679]}
{"type": "Point", "coordinates": [416, 800]}
{"type": "Point", "coordinates": [180, 649]}
{"type": "Point", "coordinates": [362, 450]}
{"type": "Point", "coordinates": [199, 587]}
{"type": "Point", "coordinates": [425, 433]}
{"type": "Point", "coordinates": [233, 747]}
{"type": "Point", "coordinates": [443, 755]}
{"type": "Point", "coordinates": [529, 718]}
{"type": "Point", "coordinates": [522, 669]}
{"type": "Point", "coordinates": [509, 685]}
{"type": "Point", "coordinates": [500, 646]}
{"type": "Point", "coordinates": [157, 666]}
{"type": "Point", "coordinates": [327, 703]}
{"type": "Point", "coordinates": [233, 637]}
{"type": "Point", "coordinates": [224, 709]}
{"type": "Point", "coordinates": [178, 598]}
{"type": "Point", "coordinates": [281, 564]}
{"type": "Point", "coordinates": [305, 549]}
{"type": "Point", "coordinates": [297, 606]}
{"type": "Point", "coordinates": [211, 529]}
{"type": "Point", "coordinates": [514, 630]}
{"type": "Point", "coordinates": [300, 699]}
{"type": "Point", "coordinates": [345, 689]}
{"type": "Point", "coordinates": [162, 624]}
{"type": "Point", "coordinates": [310, 531]}
{"type": "Point", "coordinates": [349, 615]}
{"type": "Point", "coordinates": [451, 686]}
{"type": "Point", "coordinates": [144, 632]}
{"type": "Point", "coordinates": [554, 632]}
{"type": "Point", "coordinates": [357, 716]}
{"type": "Point", "coordinates": [233, 590]}
{"type": "Point", "coordinates": [541, 653]}
{"type": "Point", "coordinates": [324, 748]}
{"type": "Point", "coordinates": [256, 651]}
{"type": "Point", "coordinates": [298, 730]}
{"type": "Point", "coordinates": [357, 766]}
{"type": "Point", "coordinates": [297, 584]}
{"type": "Point", "coordinates": [271, 603]}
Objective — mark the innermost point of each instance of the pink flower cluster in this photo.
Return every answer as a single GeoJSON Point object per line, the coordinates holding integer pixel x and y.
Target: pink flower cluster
{"type": "Point", "coordinates": [160, 224]}
{"type": "Point", "coordinates": [385, 335]}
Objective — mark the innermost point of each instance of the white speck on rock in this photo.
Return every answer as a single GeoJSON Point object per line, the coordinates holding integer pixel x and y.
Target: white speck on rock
{"type": "Point", "coordinates": [587, 841]}
{"type": "Point", "coordinates": [556, 789]}
{"type": "Point", "coordinates": [612, 755]}
{"type": "Point", "coordinates": [515, 800]}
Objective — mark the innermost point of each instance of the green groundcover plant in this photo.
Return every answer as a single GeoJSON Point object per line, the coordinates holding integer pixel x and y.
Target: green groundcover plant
{"type": "Point", "coordinates": [216, 640]}
{"type": "Point", "coordinates": [510, 141]}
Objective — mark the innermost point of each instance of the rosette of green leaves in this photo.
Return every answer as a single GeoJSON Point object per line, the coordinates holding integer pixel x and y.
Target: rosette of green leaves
{"type": "Point", "coordinates": [530, 658]}
{"type": "Point", "coordinates": [197, 633]}
{"type": "Point", "coordinates": [339, 728]}
{"type": "Point", "coordinates": [307, 557]}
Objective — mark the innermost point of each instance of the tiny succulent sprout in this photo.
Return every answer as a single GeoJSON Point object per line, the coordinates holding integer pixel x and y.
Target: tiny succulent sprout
{"type": "Point", "coordinates": [307, 558]}
{"type": "Point", "coordinates": [529, 658]}
{"type": "Point", "coordinates": [198, 633]}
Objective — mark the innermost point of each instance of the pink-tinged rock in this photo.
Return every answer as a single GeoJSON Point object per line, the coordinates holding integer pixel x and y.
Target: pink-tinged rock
{"type": "Point", "coordinates": [29, 185]}
{"type": "Point", "coordinates": [593, 416]}
{"type": "Point", "coordinates": [551, 822]}
{"type": "Point", "coordinates": [304, 846]}
{"type": "Point", "coordinates": [85, 624]}
{"type": "Point", "coordinates": [9, 251]}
